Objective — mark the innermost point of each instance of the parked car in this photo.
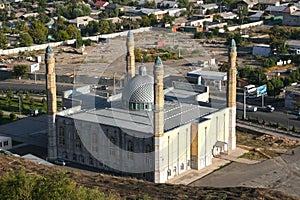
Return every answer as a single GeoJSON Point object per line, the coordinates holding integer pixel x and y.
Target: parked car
{"type": "Point", "coordinates": [60, 162]}
{"type": "Point", "coordinates": [104, 87]}
{"type": "Point", "coordinates": [268, 108]}
{"type": "Point", "coordinates": [251, 108]}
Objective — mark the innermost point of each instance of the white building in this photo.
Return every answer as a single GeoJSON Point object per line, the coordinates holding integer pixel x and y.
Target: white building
{"type": "Point", "coordinates": [5, 143]}
{"type": "Point", "coordinates": [147, 131]}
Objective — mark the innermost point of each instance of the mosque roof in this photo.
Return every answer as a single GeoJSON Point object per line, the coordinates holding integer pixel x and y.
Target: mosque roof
{"type": "Point", "coordinates": [176, 115]}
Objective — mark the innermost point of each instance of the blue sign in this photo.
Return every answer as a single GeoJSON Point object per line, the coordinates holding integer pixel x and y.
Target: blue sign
{"type": "Point", "coordinates": [261, 90]}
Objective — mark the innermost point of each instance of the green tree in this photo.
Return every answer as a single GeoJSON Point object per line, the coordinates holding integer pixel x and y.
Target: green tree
{"type": "Point", "coordinates": [62, 35]}
{"type": "Point", "coordinates": [103, 26]}
{"type": "Point", "coordinates": [274, 86]}
{"type": "Point", "coordinates": [12, 116]}
{"type": "Point", "coordinates": [73, 31]}
{"type": "Point", "coordinates": [20, 70]}
{"type": "Point", "coordinates": [145, 22]}
{"type": "Point", "coordinates": [38, 32]}
{"type": "Point", "coordinates": [168, 19]}
{"type": "Point", "coordinates": [1, 115]}
{"type": "Point", "coordinates": [269, 62]}
{"type": "Point", "coordinates": [25, 39]}
{"type": "Point", "coordinates": [3, 41]}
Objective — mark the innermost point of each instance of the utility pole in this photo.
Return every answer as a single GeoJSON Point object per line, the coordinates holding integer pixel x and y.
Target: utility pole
{"type": "Point", "coordinates": [244, 104]}
{"type": "Point", "coordinates": [114, 83]}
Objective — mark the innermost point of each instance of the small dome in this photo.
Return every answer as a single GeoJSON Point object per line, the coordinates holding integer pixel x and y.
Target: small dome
{"type": "Point", "coordinates": [138, 93]}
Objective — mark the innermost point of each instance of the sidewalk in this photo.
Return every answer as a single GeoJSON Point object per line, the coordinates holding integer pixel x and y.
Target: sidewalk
{"type": "Point", "coordinates": [192, 175]}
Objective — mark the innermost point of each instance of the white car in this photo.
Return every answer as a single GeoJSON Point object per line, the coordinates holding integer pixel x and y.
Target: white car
{"type": "Point", "coordinates": [268, 108]}
{"type": "Point", "coordinates": [251, 108]}
{"type": "Point", "coordinates": [60, 162]}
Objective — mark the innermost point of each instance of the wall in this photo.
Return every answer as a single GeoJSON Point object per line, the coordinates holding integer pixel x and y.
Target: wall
{"type": "Point", "coordinates": [214, 129]}
{"type": "Point", "coordinates": [68, 42]}
{"type": "Point", "coordinates": [175, 151]}
{"type": "Point", "coordinates": [243, 26]}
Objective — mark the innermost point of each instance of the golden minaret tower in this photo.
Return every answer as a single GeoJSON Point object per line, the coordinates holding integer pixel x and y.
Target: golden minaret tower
{"type": "Point", "coordinates": [231, 95]}
{"type": "Point", "coordinates": [51, 102]}
{"type": "Point", "coordinates": [130, 58]}
{"type": "Point", "coordinates": [158, 72]}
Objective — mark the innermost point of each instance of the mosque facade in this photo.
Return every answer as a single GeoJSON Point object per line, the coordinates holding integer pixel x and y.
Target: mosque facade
{"type": "Point", "coordinates": [141, 133]}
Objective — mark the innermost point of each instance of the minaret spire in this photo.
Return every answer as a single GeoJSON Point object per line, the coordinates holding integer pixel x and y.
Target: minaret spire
{"type": "Point", "coordinates": [51, 102]}
{"type": "Point", "coordinates": [231, 94]}
{"type": "Point", "coordinates": [130, 58]}
{"type": "Point", "coordinates": [158, 72]}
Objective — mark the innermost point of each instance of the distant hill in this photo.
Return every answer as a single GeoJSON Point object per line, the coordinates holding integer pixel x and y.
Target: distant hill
{"type": "Point", "coordinates": [130, 188]}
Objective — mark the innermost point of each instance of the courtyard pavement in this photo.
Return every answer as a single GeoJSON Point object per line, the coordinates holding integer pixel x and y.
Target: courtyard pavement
{"type": "Point", "coordinates": [191, 176]}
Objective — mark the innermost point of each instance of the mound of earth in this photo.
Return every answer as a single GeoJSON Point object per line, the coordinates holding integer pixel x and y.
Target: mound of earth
{"type": "Point", "coordinates": [130, 188]}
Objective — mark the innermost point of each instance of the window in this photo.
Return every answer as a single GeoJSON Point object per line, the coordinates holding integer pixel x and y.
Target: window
{"type": "Point", "coordinates": [148, 154]}
{"type": "Point", "coordinates": [0, 144]}
{"type": "Point", "coordinates": [130, 149]}
{"type": "Point", "coordinates": [91, 161]}
{"type": "Point", "coordinates": [5, 143]}
{"type": "Point", "coordinates": [78, 141]}
{"type": "Point", "coordinates": [169, 172]}
{"type": "Point", "coordinates": [65, 155]}
{"type": "Point", "coordinates": [61, 136]}
{"type": "Point", "coordinates": [130, 146]}
{"type": "Point", "coordinates": [74, 157]}
{"type": "Point", "coordinates": [112, 144]}
{"type": "Point", "coordinates": [81, 158]}
{"type": "Point", "coordinates": [94, 142]}
{"type": "Point", "coordinates": [175, 169]}
{"type": "Point", "coordinates": [182, 166]}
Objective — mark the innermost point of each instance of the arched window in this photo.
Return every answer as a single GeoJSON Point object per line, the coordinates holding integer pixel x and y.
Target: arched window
{"type": "Point", "coordinates": [148, 148]}
{"type": "Point", "coordinates": [130, 149]}
{"type": "Point", "coordinates": [61, 135]}
{"type": "Point", "coordinates": [130, 146]}
{"type": "Point", "coordinates": [112, 145]}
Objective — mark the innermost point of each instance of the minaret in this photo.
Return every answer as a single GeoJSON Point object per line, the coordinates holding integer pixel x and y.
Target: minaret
{"type": "Point", "coordinates": [231, 95]}
{"type": "Point", "coordinates": [51, 102]}
{"type": "Point", "coordinates": [130, 59]}
{"type": "Point", "coordinates": [158, 72]}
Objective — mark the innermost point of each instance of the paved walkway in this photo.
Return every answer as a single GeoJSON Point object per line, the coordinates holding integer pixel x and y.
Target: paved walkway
{"type": "Point", "coordinates": [190, 176]}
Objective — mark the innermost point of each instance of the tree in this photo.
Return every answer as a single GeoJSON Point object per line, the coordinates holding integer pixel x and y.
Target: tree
{"type": "Point", "coordinates": [103, 26]}
{"type": "Point", "coordinates": [168, 19]}
{"type": "Point", "coordinates": [62, 35]}
{"type": "Point", "coordinates": [274, 86]}
{"type": "Point", "coordinates": [1, 115]}
{"type": "Point", "coordinates": [20, 70]}
{"type": "Point", "coordinates": [3, 41]}
{"type": "Point", "coordinates": [145, 22]}
{"type": "Point", "coordinates": [73, 31]}
{"type": "Point", "coordinates": [25, 39]}
{"type": "Point", "coordinates": [269, 62]}
{"type": "Point", "coordinates": [12, 116]}
{"type": "Point", "coordinates": [38, 32]}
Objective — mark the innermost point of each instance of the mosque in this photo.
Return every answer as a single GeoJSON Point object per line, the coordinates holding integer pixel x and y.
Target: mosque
{"type": "Point", "coordinates": [148, 131]}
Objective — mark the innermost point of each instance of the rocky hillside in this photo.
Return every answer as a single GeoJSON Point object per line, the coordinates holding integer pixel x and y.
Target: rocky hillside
{"type": "Point", "coordinates": [129, 188]}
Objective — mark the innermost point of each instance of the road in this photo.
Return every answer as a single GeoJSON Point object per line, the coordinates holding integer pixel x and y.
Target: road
{"type": "Point", "coordinates": [29, 85]}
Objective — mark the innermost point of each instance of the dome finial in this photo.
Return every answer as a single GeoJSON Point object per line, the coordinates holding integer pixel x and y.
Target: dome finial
{"type": "Point", "coordinates": [49, 49]}
{"type": "Point", "coordinates": [158, 61]}
{"type": "Point", "coordinates": [129, 34]}
{"type": "Point", "coordinates": [233, 44]}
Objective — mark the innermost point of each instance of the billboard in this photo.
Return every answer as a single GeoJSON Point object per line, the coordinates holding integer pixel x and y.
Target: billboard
{"type": "Point", "coordinates": [34, 67]}
{"type": "Point", "coordinates": [261, 90]}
